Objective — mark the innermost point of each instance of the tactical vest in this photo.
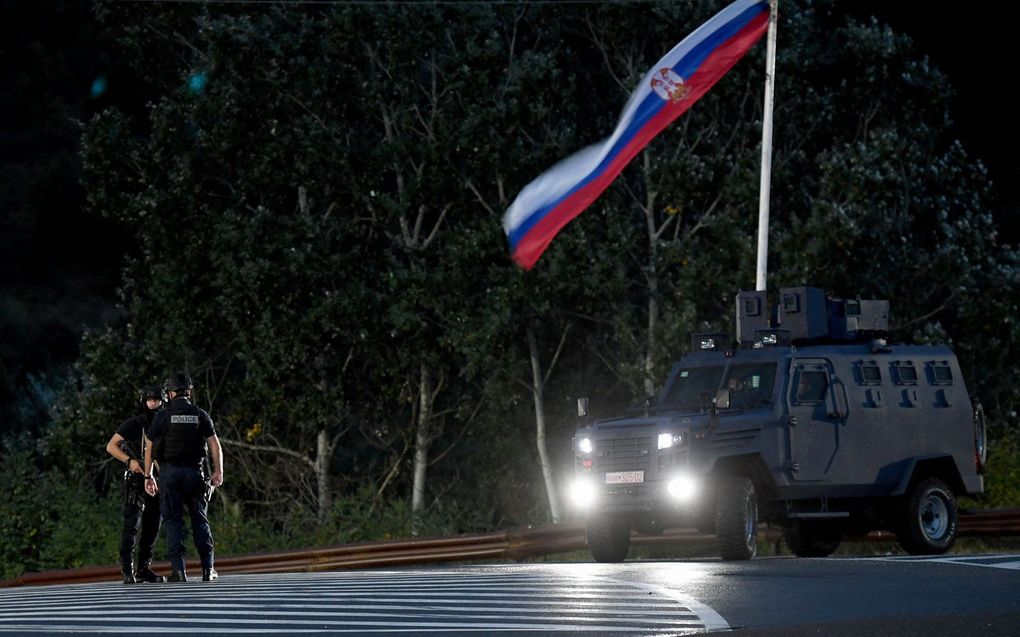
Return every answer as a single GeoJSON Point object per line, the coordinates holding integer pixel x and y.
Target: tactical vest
{"type": "Point", "coordinates": [182, 443]}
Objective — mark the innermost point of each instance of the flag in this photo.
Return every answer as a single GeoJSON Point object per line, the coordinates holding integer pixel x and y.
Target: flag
{"type": "Point", "coordinates": [676, 82]}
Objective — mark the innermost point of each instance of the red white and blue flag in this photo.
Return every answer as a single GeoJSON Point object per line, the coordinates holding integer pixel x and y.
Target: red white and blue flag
{"type": "Point", "coordinates": [676, 82]}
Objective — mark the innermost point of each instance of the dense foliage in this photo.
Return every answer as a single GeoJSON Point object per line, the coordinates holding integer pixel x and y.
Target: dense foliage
{"type": "Point", "coordinates": [317, 194]}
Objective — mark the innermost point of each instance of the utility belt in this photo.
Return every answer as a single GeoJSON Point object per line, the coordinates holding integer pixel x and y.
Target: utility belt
{"type": "Point", "coordinates": [207, 485]}
{"type": "Point", "coordinates": [183, 463]}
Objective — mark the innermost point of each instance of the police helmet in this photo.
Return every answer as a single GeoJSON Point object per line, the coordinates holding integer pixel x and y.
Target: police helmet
{"type": "Point", "coordinates": [151, 393]}
{"type": "Point", "coordinates": [179, 382]}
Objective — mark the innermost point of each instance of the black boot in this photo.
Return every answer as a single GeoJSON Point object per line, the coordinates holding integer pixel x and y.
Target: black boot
{"type": "Point", "coordinates": [178, 576]}
{"type": "Point", "coordinates": [146, 574]}
{"type": "Point", "coordinates": [128, 572]}
{"type": "Point", "coordinates": [209, 574]}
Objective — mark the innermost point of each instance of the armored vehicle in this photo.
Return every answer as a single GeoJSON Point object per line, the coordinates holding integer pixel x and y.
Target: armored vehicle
{"type": "Point", "coordinates": [812, 421]}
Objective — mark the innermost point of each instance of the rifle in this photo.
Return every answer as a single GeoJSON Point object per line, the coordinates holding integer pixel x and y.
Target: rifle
{"type": "Point", "coordinates": [134, 483]}
{"type": "Point", "coordinates": [207, 481]}
{"type": "Point", "coordinates": [129, 449]}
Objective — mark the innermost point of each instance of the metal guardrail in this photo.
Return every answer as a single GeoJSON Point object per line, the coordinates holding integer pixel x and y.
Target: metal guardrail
{"type": "Point", "coordinates": [514, 545]}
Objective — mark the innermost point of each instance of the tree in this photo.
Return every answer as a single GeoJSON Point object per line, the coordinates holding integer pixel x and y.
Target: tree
{"type": "Point", "coordinates": [316, 200]}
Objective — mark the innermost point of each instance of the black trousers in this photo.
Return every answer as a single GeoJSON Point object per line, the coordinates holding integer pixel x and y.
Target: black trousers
{"type": "Point", "coordinates": [141, 513]}
{"type": "Point", "coordinates": [183, 487]}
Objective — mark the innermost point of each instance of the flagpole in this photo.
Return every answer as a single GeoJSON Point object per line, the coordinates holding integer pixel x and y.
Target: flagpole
{"type": "Point", "coordinates": [766, 150]}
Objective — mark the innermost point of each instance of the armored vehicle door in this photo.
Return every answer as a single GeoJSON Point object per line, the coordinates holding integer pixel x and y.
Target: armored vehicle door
{"type": "Point", "coordinates": [817, 407]}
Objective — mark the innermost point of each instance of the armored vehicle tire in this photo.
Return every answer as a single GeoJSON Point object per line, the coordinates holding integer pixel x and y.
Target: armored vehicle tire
{"type": "Point", "coordinates": [736, 519]}
{"type": "Point", "coordinates": [929, 522]}
{"type": "Point", "coordinates": [609, 538]}
{"type": "Point", "coordinates": [813, 539]}
{"type": "Point", "coordinates": [980, 439]}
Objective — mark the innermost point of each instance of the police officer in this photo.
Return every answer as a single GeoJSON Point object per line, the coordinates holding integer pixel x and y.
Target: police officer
{"type": "Point", "coordinates": [179, 435]}
{"type": "Point", "coordinates": [141, 510]}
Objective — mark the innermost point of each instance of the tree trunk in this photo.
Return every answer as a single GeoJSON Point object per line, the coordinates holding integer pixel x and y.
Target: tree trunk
{"type": "Point", "coordinates": [543, 454]}
{"type": "Point", "coordinates": [323, 455]}
{"type": "Point", "coordinates": [422, 439]}
{"type": "Point", "coordinates": [653, 323]}
{"type": "Point", "coordinates": [652, 279]}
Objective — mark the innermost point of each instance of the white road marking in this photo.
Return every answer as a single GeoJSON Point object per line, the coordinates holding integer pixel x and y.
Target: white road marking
{"type": "Point", "coordinates": [496, 600]}
{"type": "Point", "coordinates": [985, 561]}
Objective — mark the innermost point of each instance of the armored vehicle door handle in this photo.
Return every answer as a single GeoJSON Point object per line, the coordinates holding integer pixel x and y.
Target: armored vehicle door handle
{"type": "Point", "coordinates": [793, 421]}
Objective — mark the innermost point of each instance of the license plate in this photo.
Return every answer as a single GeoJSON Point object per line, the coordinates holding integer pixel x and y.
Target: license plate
{"type": "Point", "coordinates": [625, 477]}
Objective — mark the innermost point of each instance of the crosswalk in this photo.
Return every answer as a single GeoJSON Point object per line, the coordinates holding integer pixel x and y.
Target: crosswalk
{"type": "Point", "coordinates": [494, 599]}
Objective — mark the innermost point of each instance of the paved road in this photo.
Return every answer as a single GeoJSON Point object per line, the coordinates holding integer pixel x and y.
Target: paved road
{"type": "Point", "coordinates": [772, 596]}
{"type": "Point", "coordinates": [901, 596]}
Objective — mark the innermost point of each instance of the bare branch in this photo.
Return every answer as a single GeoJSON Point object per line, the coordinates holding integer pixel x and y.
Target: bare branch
{"type": "Point", "coordinates": [392, 472]}
{"type": "Point", "coordinates": [556, 356]}
{"type": "Point", "coordinates": [610, 366]}
{"type": "Point", "coordinates": [665, 224]}
{"type": "Point", "coordinates": [336, 438]}
{"type": "Point", "coordinates": [417, 225]}
{"type": "Point", "coordinates": [478, 196]}
{"type": "Point", "coordinates": [463, 434]}
{"type": "Point", "coordinates": [347, 361]}
{"type": "Point", "coordinates": [318, 120]}
{"type": "Point", "coordinates": [925, 317]}
{"type": "Point", "coordinates": [603, 49]}
{"type": "Point", "coordinates": [283, 451]}
{"type": "Point", "coordinates": [435, 228]}
{"type": "Point", "coordinates": [703, 220]}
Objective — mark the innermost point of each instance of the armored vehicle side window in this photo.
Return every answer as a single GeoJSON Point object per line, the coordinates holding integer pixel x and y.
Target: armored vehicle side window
{"type": "Point", "coordinates": [870, 373]}
{"type": "Point", "coordinates": [751, 385]}
{"type": "Point", "coordinates": [695, 385]}
{"type": "Point", "coordinates": [811, 387]}
{"type": "Point", "coordinates": [906, 373]}
{"type": "Point", "coordinates": [939, 373]}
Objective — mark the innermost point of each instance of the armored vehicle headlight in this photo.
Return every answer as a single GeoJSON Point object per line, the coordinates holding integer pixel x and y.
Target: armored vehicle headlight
{"type": "Point", "coordinates": [670, 440]}
{"type": "Point", "coordinates": [584, 445]}
{"type": "Point", "coordinates": [582, 493]}
{"type": "Point", "coordinates": [683, 487]}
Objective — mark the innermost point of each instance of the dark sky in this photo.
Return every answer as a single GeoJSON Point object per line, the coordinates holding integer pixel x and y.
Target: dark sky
{"type": "Point", "coordinates": [60, 266]}
{"type": "Point", "coordinates": [975, 45]}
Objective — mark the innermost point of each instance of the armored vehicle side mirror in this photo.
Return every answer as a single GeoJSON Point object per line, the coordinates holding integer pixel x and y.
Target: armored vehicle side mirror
{"type": "Point", "coordinates": [722, 399]}
{"type": "Point", "coordinates": [582, 407]}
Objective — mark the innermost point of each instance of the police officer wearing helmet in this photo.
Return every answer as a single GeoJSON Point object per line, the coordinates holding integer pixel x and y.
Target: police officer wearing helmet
{"type": "Point", "coordinates": [140, 510]}
{"type": "Point", "coordinates": [179, 436]}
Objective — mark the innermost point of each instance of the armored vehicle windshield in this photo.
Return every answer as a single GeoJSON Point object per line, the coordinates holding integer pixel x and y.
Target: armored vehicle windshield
{"type": "Point", "coordinates": [692, 387]}
{"type": "Point", "coordinates": [751, 385]}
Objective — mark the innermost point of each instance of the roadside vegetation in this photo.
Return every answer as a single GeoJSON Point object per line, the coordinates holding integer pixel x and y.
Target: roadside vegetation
{"type": "Point", "coordinates": [314, 197]}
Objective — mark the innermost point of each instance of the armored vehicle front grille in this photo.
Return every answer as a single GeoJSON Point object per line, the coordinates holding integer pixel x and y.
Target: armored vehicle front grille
{"type": "Point", "coordinates": [624, 454]}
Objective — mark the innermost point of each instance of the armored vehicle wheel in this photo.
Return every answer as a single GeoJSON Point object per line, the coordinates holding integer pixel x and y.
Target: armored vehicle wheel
{"type": "Point", "coordinates": [928, 526]}
{"type": "Point", "coordinates": [813, 539]}
{"type": "Point", "coordinates": [609, 538]}
{"type": "Point", "coordinates": [980, 439]}
{"type": "Point", "coordinates": [736, 519]}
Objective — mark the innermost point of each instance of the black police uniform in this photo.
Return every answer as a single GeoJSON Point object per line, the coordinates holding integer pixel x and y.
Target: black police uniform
{"type": "Point", "coordinates": [140, 509]}
{"type": "Point", "coordinates": [178, 435]}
